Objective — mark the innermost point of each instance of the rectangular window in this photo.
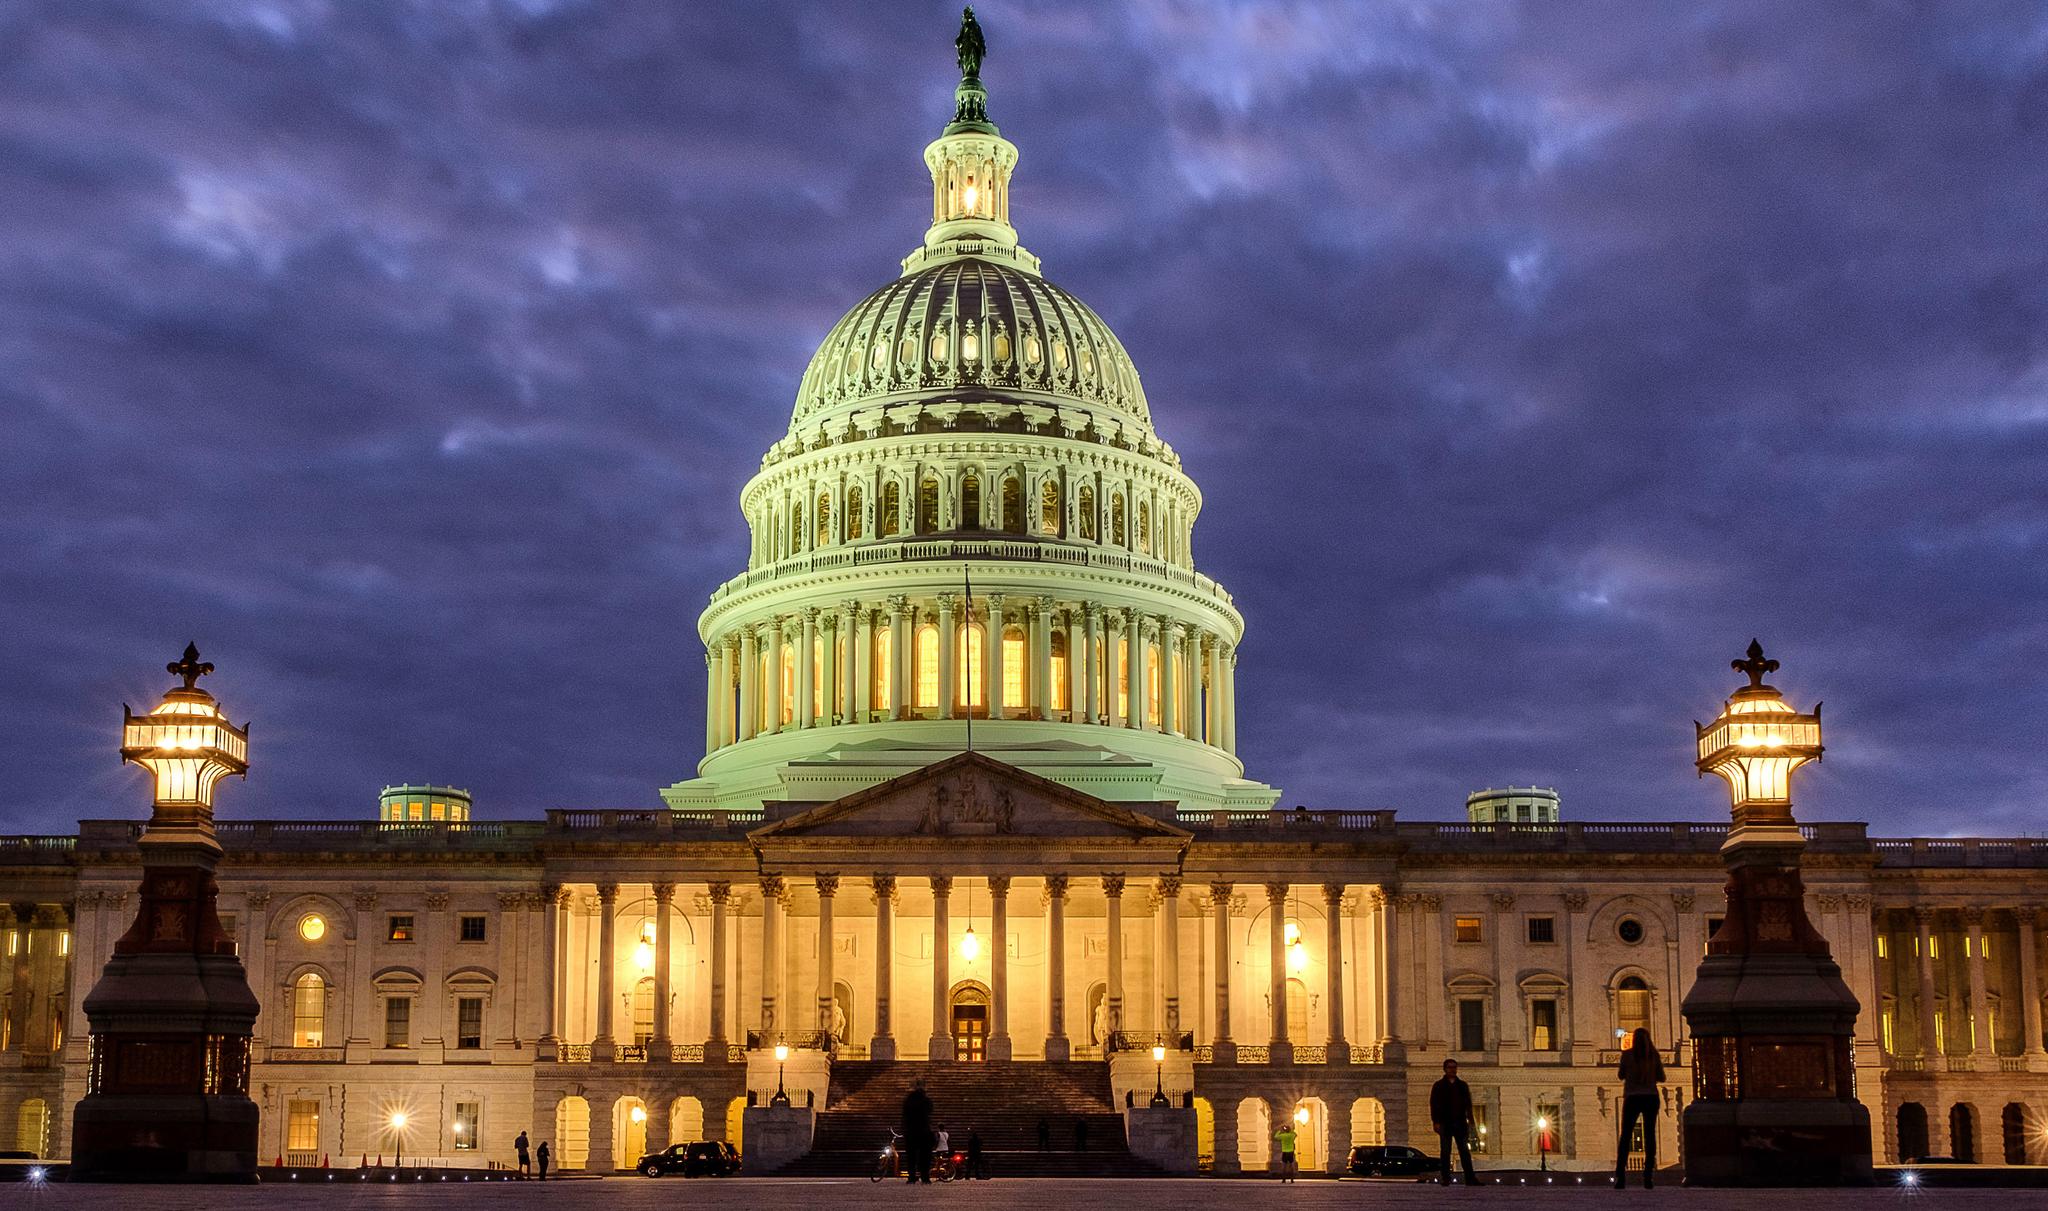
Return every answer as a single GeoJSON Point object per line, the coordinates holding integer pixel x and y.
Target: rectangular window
{"type": "Point", "coordinates": [1466, 929]}
{"type": "Point", "coordinates": [1542, 930]}
{"type": "Point", "coordinates": [1940, 1033]}
{"type": "Point", "coordinates": [1883, 951]}
{"type": "Point", "coordinates": [1471, 1025]}
{"type": "Point", "coordinates": [1543, 1025]}
{"type": "Point", "coordinates": [1888, 1031]}
{"type": "Point", "coordinates": [1713, 927]}
{"type": "Point", "coordinates": [302, 1126]}
{"type": "Point", "coordinates": [472, 927]}
{"type": "Point", "coordinates": [398, 1022]}
{"type": "Point", "coordinates": [469, 1024]}
{"type": "Point", "coordinates": [400, 928]}
{"type": "Point", "coordinates": [64, 942]}
{"type": "Point", "coordinates": [465, 1126]}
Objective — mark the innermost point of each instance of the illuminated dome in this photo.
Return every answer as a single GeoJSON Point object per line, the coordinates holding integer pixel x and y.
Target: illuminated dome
{"type": "Point", "coordinates": [970, 535]}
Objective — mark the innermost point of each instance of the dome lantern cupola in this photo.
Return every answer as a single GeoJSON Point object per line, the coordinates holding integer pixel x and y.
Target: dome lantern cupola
{"type": "Point", "coordinates": [970, 164]}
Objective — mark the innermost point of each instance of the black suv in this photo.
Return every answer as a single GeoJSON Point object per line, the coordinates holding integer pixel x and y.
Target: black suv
{"type": "Point", "coordinates": [1391, 1160]}
{"type": "Point", "coordinates": [705, 1158]}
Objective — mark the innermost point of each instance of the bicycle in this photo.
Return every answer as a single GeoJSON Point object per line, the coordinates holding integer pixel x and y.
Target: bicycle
{"type": "Point", "coordinates": [890, 1163]}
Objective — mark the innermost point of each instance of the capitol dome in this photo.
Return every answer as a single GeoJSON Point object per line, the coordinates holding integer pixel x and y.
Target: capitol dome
{"type": "Point", "coordinates": [970, 537]}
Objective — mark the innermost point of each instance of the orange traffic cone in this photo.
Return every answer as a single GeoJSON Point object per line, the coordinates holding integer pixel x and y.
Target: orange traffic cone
{"type": "Point", "coordinates": [280, 1160]}
{"type": "Point", "coordinates": [323, 1160]}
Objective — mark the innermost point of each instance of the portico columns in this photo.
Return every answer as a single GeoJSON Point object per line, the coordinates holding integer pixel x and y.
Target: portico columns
{"type": "Point", "coordinates": [1113, 888]}
{"type": "Point", "coordinates": [553, 900]}
{"type": "Point", "coordinates": [854, 694]}
{"type": "Point", "coordinates": [2028, 922]}
{"type": "Point", "coordinates": [806, 714]}
{"type": "Point", "coordinates": [899, 654]}
{"type": "Point", "coordinates": [1077, 668]}
{"type": "Point", "coordinates": [1041, 675]}
{"type": "Point", "coordinates": [1092, 663]}
{"type": "Point", "coordinates": [1138, 632]}
{"type": "Point", "coordinates": [601, 1046]}
{"type": "Point", "coordinates": [1169, 656]}
{"type": "Point", "coordinates": [1225, 1048]}
{"type": "Point", "coordinates": [772, 692]}
{"type": "Point", "coordinates": [1056, 1044]}
{"type": "Point", "coordinates": [1276, 920]}
{"type": "Point", "coordinates": [771, 952]}
{"type": "Point", "coordinates": [1169, 973]}
{"type": "Point", "coordinates": [999, 965]}
{"type": "Point", "coordinates": [713, 663]}
{"type": "Point", "coordinates": [1333, 963]}
{"type": "Point", "coordinates": [829, 672]}
{"type": "Point", "coordinates": [884, 1046]}
{"type": "Point", "coordinates": [1230, 700]}
{"type": "Point", "coordinates": [994, 664]}
{"type": "Point", "coordinates": [941, 1046]}
{"type": "Point", "coordinates": [828, 887]}
{"type": "Point", "coordinates": [658, 1045]}
{"type": "Point", "coordinates": [949, 652]}
{"type": "Point", "coordinates": [714, 1044]}
{"type": "Point", "coordinates": [1923, 919]}
{"type": "Point", "coordinates": [1980, 1013]}
{"type": "Point", "coordinates": [1213, 715]}
{"type": "Point", "coordinates": [750, 683]}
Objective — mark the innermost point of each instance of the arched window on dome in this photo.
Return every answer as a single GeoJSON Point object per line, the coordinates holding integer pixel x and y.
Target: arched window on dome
{"type": "Point", "coordinates": [884, 666]}
{"type": "Point", "coordinates": [819, 690]}
{"type": "Point", "coordinates": [1123, 676]}
{"type": "Point", "coordinates": [1059, 355]}
{"type": "Point", "coordinates": [999, 347]}
{"type": "Point", "coordinates": [906, 351]}
{"type": "Point", "coordinates": [927, 660]}
{"type": "Point", "coordinates": [796, 529]}
{"type": "Point", "coordinates": [891, 521]}
{"type": "Point", "coordinates": [972, 663]}
{"type": "Point", "coordinates": [824, 524]}
{"type": "Point", "coordinates": [970, 501]}
{"type": "Point", "coordinates": [1117, 531]}
{"type": "Point", "coordinates": [928, 505]}
{"type": "Point", "coordinates": [788, 684]}
{"type": "Point", "coordinates": [1087, 361]}
{"type": "Point", "coordinates": [1060, 698]}
{"type": "Point", "coordinates": [1033, 352]}
{"type": "Point", "coordinates": [1089, 523]}
{"type": "Point", "coordinates": [1013, 504]}
{"type": "Point", "coordinates": [1145, 527]}
{"type": "Point", "coordinates": [939, 345]}
{"type": "Point", "coordinates": [852, 362]}
{"type": "Point", "coordinates": [854, 528]}
{"type": "Point", "coordinates": [970, 345]}
{"type": "Point", "coordinates": [1152, 715]}
{"type": "Point", "coordinates": [881, 360]}
{"type": "Point", "coordinates": [1016, 667]}
{"type": "Point", "coordinates": [1049, 508]}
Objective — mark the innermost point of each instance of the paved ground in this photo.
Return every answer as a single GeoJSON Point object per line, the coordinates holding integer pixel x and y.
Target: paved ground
{"type": "Point", "coordinates": [640, 1194]}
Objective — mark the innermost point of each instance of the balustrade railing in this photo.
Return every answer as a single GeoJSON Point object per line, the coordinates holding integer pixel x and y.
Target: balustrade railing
{"type": "Point", "coordinates": [916, 550]}
{"type": "Point", "coordinates": [801, 1040]}
{"type": "Point", "coordinates": [1254, 1053]}
{"type": "Point", "coordinates": [1311, 1053]}
{"type": "Point", "coordinates": [1205, 1054]}
{"type": "Point", "coordinates": [575, 1053]}
{"type": "Point", "coordinates": [687, 1053]}
{"type": "Point", "coordinates": [631, 1053]}
{"type": "Point", "coordinates": [1141, 1040]}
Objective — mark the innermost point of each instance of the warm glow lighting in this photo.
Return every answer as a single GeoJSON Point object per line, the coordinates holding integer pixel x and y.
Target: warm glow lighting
{"type": "Point", "coordinates": [1542, 1124]}
{"type": "Point", "coordinates": [1293, 932]}
{"type": "Point", "coordinates": [643, 956]}
{"type": "Point", "coordinates": [970, 946]}
{"type": "Point", "coordinates": [312, 928]}
{"type": "Point", "coordinates": [781, 1054]}
{"type": "Point", "coordinates": [1159, 1055]}
{"type": "Point", "coordinates": [398, 1120]}
{"type": "Point", "coordinates": [638, 1114]}
{"type": "Point", "coordinates": [1297, 958]}
{"type": "Point", "coordinates": [1301, 1115]}
{"type": "Point", "coordinates": [970, 197]}
{"type": "Point", "coordinates": [458, 1126]}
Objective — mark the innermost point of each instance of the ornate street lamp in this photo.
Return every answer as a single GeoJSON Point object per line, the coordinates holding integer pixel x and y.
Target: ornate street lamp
{"type": "Point", "coordinates": [1773, 1024]}
{"type": "Point", "coordinates": [781, 1097]}
{"type": "Point", "coordinates": [167, 1092]}
{"type": "Point", "coordinates": [1159, 1076]}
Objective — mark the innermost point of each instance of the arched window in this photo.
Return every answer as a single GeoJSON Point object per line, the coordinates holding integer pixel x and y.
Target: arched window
{"type": "Point", "coordinates": [1049, 509]}
{"type": "Point", "coordinates": [1631, 1005]}
{"type": "Point", "coordinates": [853, 503]}
{"type": "Point", "coordinates": [970, 502]}
{"type": "Point", "coordinates": [788, 683]}
{"type": "Point", "coordinates": [884, 665]}
{"type": "Point", "coordinates": [1013, 504]}
{"type": "Point", "coordinates": [818, 687]}
{"type": "Point", "coordinates": [643, 1012]}
{"type": "Point", "coordinates": [1061, 699]}
{"type": "Point", "coordinates": [906, 350]}
{"type": "Point", "coordinates": [939, 346]}
{"type": "Point", "coordinates": [1116, 519]}
{"type": "Point", "coordinates": [824, 524]}
{"type": "Point", "coordinates": [1001, 346]}
{"type": "Point", "coordinates": [1151, 683]}
{"type": "Point", "coordinates": [972, 663]}
{"type": "Point", "coordinates": [1123, 677]}
{"type": "Point", "coordinates": [891, 521]}
{"type": "Point", "coordinates": [1088, 524]}
{"type": "Point", "coordinates": [1912, 1132]}
{"type": "Point", "coordinates": [1014, 661]}
{"type": "Point", "coordinates": [1032, 351]}
{"type": "Point", "coordinates": [796, 528]}
{"type": "Point", "coordinates": [970, 344]}
{"type": "Point", "coordinates": [309, 1010]}
{"type": "Point", "coordinates": [1297, 1011]}
{"type": "Point", "coordinates": [928, 506]}
{"type": "Point", "coordinates": [32, 1127]}
{"type": "Point", "coordinates": [1145, 526]}
{"type": "Point", "coordinates": [927, 657]}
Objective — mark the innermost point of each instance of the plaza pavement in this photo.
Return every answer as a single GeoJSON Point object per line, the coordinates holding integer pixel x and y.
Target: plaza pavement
{"type": "Point", "coordinates": [641, 1194]}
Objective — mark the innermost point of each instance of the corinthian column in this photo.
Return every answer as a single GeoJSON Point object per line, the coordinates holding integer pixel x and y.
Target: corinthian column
{"type": "Point", "coordinates": [806, 713]}
{"type": "Point", "coordinates": [899, 654]}
{"type": "Point", "coordinates": [941, 1046]}
{"type": "Point", "coordinates": [999, 967]}
{"type": "Point", "coordinates": [771, 953]}
{"type": "Point", "coordinates": [1041, 656]}
{"type": "Point", "coordinates": [1139, 689]}
{"type": "Point", "coordinates": [1056, 1045]}
{"type": "Point", "coordinates": [1219, 896]}
{"type": "Point", "coordinates": [1276, 919]}
{"type": "Point", "coordinates": [773, 691]}
{"type": "Point", "coordinates": [1113, 889]}
{"type": "Point", "coordinates": [1980, 1011]}
{"type": "Point", "coordinates": [853, 687]}
{"type": "Point", "coordinates": [714, 1043]}
{"type": "Point", "coordinates": [1333, 963]}
{"type": "Point", "coordinates": [1169, 660]}
{"type": "Point", "coordinates": [659, 1046]}
{"type": "Point", "coordinates": [997, 708]}
{"type": "Point", "coordinates": [750, 683]}
{"type": "Point", "coordinates": [1091, 663]}
{"type": "Point", "coordinates": [601, 1046]}
{"type": "Point", "coordinates": [1230, 700]}
{"type": "Point", "coordinates": [1169, 924]}
{"type": "Point", "coordinates": [828, 887]}
{"type": "Point", "coordinates": [884, 1047]}
{"type": "Point", "coordinates": [949, 655]}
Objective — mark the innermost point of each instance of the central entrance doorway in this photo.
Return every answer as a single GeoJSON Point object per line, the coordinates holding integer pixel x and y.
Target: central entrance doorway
{"type": "Point", "coordinates": [970, 1023]}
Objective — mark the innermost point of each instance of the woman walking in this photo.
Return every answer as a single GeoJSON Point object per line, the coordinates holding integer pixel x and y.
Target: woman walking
{"type": "Point", "coordinates": [1641, 1071]}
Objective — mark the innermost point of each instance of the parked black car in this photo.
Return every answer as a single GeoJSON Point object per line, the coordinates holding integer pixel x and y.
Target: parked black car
{"type": "Point", "coordinates": [1390, 1160]}
{"type": "Point", "coordinates": [705, 1158]}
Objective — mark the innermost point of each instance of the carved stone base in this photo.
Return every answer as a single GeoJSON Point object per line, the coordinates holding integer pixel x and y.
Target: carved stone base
{"type": "Point", "coordinates": [882, 1050]}
{"type": "Point", "coordinates": [999, 1049]}
{"type": "Point", "coordinates": [1058, 1051]}
{"type": "Point", "coordinates": [939, 1049]}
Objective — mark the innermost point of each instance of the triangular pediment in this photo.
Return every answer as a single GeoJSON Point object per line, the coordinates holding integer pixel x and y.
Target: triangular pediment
{"type": "Point", "coordinates": [969, 795]}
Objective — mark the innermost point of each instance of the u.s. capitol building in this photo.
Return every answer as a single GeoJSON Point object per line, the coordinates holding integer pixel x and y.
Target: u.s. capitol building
{"type": "Point", "coordinates": [972, 796]}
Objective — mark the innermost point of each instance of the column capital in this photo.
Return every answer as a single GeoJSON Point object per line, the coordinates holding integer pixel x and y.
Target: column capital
{"type": "Point", "coordinates": [851, 606]}
{"type": "Point", "coordinates": [942, 885]}
{"type": "Point", "coordinates": [720, 892]}
{"type": "Point", "coordinates": [809, 614]}
{"type": "Point", "coordinates": [1169, 887]}
{"type": "Point", "coordinates": [1574, 899]}
{"type": "Point", "coordinates": [1042, 605]}
{"type": "Point", "coordinates": [827, 885]}
{"type": "Point", "coordinates": [999, 885]}
{"type": "Point", "coordinates": [607, 894]}
{"type": "Point", "coordinates": [1056, 887]}
{"type": "Point", "coordinates": [1148, 626]}
{"type": "Point", "coordinates": [1333, 893]}
{"type": "Point", "coordinates": [885, 887]}
{"type": "Point", "coordinates": [772, 887]}
{"type": "Point", "coordinates": [1277, 892]}
{"type": "Point", "coordinates": [828, 620]}
{"type": "Point", "coordinates": [948, 600]}
{"type": "Point", "coordinates": [1220, 893]}
{"type": "Point", "coordinates": [1091, 611]}
{"type": "Point", "coordinates": [1113, 886]}
{"type": "Point", "coordinates": [1681, 899]}
{"type": "Point", "coordinates": [664, 892]}
{"type": "Point", "coordinates": [898, 604]}
{"type": "Point", "coordinates": [1924, 915]}
{"type": "Point", "coordinates": [1973, 916]}
{"type": "Point", "coordinates": [1174, 628]}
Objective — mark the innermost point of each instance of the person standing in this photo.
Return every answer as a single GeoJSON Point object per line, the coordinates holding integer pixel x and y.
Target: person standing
{"type": "Point", "coordinates": [1044, 1134]}
{"type": "Point", "coordinates": [541, 1158]}
{"type": "Point", "coordinates": [1450, 1112]}
{"type": "Point", "coordinates": [977, 1164]}
{"type": "Point", "coordinates": [1080, 1135]}
{"type": "Point", "coordinates": [1641, 1071]}
{"type": "Point", "coordinates": [525, 1159]}
{"type": "Point", "coordinates": [917, 1132]}
{"type": "Point", "coordinates": [1285, 1137]}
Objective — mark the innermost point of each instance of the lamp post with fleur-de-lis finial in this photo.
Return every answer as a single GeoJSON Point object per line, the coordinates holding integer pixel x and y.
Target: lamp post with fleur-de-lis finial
{"type": "Point", "coordinates": [167, 1093]}
{"type": "Point", "coordinates": [1773, 1024]}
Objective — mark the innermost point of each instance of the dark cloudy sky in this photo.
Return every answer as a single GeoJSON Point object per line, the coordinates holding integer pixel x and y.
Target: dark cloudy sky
{"type": "Point", "coordinates": [1532, 358]}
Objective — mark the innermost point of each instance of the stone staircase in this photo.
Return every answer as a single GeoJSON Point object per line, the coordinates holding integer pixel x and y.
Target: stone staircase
{"type": "Point", "coordinates": [1002, 1101]}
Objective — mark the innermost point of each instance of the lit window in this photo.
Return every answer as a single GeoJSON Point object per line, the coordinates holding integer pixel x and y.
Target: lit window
{"type": "Point", "coordinates": [1466, 929]}
{"type": "Point", "coordinates": [853, 524]}
{"type": "Point", "coordinates": [1887, 1024]}
{"type": "Point", "coordinates": [881, 355]}
{"type": "Point", "coordinates": [1049, 508]}
{"type": "Point", "coordinates": [1001, 346]}
{"type": "Point", "coordinates": [970, 346]}
{"type": "Point", "coordinates": [1088, 362]}
{"type": "Point", "coordinates": [464, 1128]}
{"type": "Point", "coordinates": [818, 675]}
{"type": "Point", "coordinates": [1116, 518]}
{"type": "Point", "coordinates": [1031, 350]}
{"type": "Point", "coordinates": [1014, 659]}
{"type": "Point", "coordinates": [64, 943]}
{"type": "Point", "coordinates": [1543, 1025]}
{"type": "Point", "coordinates": [970, 660]}
{"type": "Point", "coordinates": [1013, 505]}
{"type": "Point", "coordinates": [1060, 695]}
{"type": "Point", "coordinates": [1087, 513]}
{"type": "Point", "coordinates": [939, 345]}
{"type": "Point", "coordinates": [1883, 950]}
{"type": "Point", "coordinates": [312, 927]}
{"type": "Point", "coordinates": [892, 511]}
{"type": "Point", "coordinates": [824, 523]}
{"type": "Point", "coordinates": [309, 1010]}
{"type": "Point", "coordinates": [1481, 1137]}
{"type": "Point", "coordinates": [1059, 354]}
{"type": "Point", "coordinates": [469, 1023]}
{"type": "Point", "coordinates": [884, 665]}
{"type": "Point", "coordinates": [1152, 681]}
{"type": "Point", "coordinates": [302, 1126]}
{"type": "Point", "coordinates": [1123, 677]}
{"type": "Point", "coordinates": [398, 928]}
{"type": "Point", "coordinates": [472, 927]}
{"type": "Point", "coordinates": [1631, 1006]}
{"type": "Point", "coordinates": [643, 1012]}
{"type": "Point", "coordinates": [927, 666]}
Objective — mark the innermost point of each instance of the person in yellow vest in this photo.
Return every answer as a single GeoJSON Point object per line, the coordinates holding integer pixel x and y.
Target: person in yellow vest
{"type": "Point", "coordinates": [1285, 1137]}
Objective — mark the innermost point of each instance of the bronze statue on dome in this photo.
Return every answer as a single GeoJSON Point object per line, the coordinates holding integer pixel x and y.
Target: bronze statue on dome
{"type": "Point", "coordinates": [970, 45]}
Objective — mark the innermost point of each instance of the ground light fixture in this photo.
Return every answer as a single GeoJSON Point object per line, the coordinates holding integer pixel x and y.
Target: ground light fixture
{"type": "Point", "coordinates": [1543, 1140]}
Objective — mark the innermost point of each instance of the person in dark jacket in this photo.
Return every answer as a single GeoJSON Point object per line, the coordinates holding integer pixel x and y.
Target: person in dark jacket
{"type": "Point", "coordinates": [540, 1157]}
{"type": "Point", "coordinates": [977, 1164]}
{"type": "Point", "coordinates": [1044, 1134]}
{"type": "Point", "coordinates": [1450, 1112]}
{"type": "Point", "coordinates": [1641, 1071]}
{"type": "Point", "coordinates": [917, 1133]}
